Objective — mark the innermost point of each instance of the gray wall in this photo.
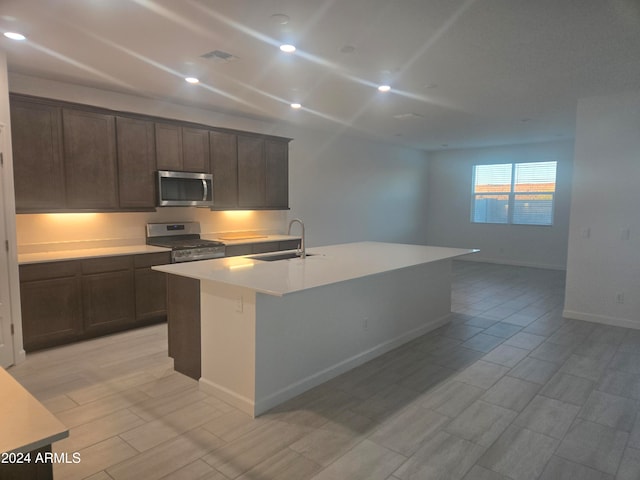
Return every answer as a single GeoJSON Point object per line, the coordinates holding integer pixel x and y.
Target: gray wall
{"type": "Point", "coordinates": [449, 204]}
{"type": "Point", "coordinates": [604, 239]}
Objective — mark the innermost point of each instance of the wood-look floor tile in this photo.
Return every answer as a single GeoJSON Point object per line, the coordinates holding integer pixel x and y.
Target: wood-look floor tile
{"type": "Point", "coordinates": [594, 445]}
{"type": "Point", "coordinates": [586, 367]}
{"type": "Point", "coordinates": [519, 454]}
{"type": "Point", "coordinates": [194, 471]}
{"type": "Point", "coordinates": [441, 457]}
{"type": "Point", "coordinates": [481, 473]}
{"type": "Point", "coordinates": [511, 393]}
{"type": "Point", "coordinates": [105, 406]}
{"type": "Point", "coordinates": [171, 425]}
{"type": "Point", "coordinates": [610, 410]}
{"type": "Point", "coordinates": [568, 388]}
{"type": "Point", "coordinates": [237, 457]}
{"type": "Point", "coordinates": [534, 370]}
{"type": "Point", "coordinates": [503, 330]}
{"type": "Point", "coordinates": [525, 340]}
{"type": "Point", "coordinates": [100, 429]}
{"type": "Point", "coordinates": [548, 416]}
{"type": "Point", "coordinates": [506, 355]}
{"type": "Point", "coordinates": [481, 423]}
{"type": "Point", "coordinates": [482, 374]}
{"type": "Point", "coordinates": [559, 468]}
{"type": "Point", "coordinates": [284, 464]}
{"type": "Point", "coordinates": [167, 457]}
{"type": "Point", "coordinates": [93, 459]}
{"type": "Point", "coordinates": [154, 408]}
{"type": "Point", "coordinates": [483, 342]}
{"type": "Point", "coordinates": [452, 398]}
{"type": "Point", "coordinates": [620, 383]}
{"type": "Point", "coordinates": [630, 466]}
{"type": "Point", "coordinates": [404, 432]}
{"type": "Point", "coordinates": [367, 461]}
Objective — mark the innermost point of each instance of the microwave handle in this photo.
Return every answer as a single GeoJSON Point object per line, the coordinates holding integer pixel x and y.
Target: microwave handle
{"type": "Point", "coordinates": [205, 190]}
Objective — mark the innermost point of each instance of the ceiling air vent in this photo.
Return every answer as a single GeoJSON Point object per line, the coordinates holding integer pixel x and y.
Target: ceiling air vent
{"type": "Point", "coordinates": [219, 56]}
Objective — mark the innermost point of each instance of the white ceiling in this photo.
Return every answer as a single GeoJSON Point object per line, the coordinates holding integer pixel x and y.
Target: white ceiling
{"type": "Point", "coordinates": [464, 73]}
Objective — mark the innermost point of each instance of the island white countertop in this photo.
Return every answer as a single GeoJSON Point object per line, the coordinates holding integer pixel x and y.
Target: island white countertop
{"type": "Point", "coordinates": [323, 266]}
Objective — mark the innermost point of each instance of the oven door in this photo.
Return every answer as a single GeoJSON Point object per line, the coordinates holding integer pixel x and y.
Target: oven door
{"type": "Point", "coordinates": [184, 189]}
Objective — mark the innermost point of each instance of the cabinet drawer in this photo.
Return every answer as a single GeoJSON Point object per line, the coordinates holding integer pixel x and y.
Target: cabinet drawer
{"type": "Point", "coordinates": [265, 247]}
{"type": "Point", "coordinates": [43, 271]}
{"type": "Point", "coordinates": [151, 259]}
{"type": "Point", "coordinates": [107, 264]}
{"type": "Point", "coordinates": [236, 250]}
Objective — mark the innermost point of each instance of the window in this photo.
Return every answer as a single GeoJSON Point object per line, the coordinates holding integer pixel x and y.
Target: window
{"type": "Point", "coordinates": [518, 193]}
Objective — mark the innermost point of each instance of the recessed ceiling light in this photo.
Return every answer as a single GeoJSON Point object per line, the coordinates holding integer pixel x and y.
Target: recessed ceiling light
{"type": "Point", "coordinates": [14, 36]}
{"type": "Point", "coordinates": [193, 80]}
{"type": "Point", "coordinates": [384, 88]}
{"type": "Point", "coordinates": [287, 48]}
{"type": "Point", "coordinates": [296, 105]}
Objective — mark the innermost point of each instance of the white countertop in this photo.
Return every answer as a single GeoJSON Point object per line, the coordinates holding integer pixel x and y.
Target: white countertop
{"type": "Point", "coordinates": [59, 255]}
{"type": "Point", "coordinates": [56, 255]}
{"type": "Point", "coordinates": [324, 266]}
{"type": "Point", "coordinates": [26, 424]}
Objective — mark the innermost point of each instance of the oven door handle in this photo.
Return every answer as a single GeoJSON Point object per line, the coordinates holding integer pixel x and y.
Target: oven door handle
{"type": "Point", "coordinates": [205, 190]}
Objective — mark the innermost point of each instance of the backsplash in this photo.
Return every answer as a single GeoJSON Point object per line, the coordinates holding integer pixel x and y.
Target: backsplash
{"type": "Point", "coordinates": [69, 231]}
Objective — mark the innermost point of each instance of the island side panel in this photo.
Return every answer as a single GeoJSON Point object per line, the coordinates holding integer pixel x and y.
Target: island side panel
{"type": "Point", "coordinates": [228, 316]}
{"type": "Point", "coordinates": [306, 338]}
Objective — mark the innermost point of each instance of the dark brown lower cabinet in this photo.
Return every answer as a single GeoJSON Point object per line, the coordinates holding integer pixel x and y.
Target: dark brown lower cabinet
{"type": "Point", "coordinates": [67, 301]}
{"type": "Point", "coordinates": [183, 320]}
{"type": "Point", "coordinates": [51, 304]}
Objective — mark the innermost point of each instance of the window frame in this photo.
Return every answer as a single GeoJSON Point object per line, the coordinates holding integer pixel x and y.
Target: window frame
{"type": "Point", "coordinates": [512, 194]}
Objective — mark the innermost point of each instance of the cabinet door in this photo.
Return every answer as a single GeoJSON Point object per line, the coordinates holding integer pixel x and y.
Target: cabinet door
{"type": "Point", "coordinates": [136, 163]}
{"type": "Point", "coordinates": [90, 159]}
{"type": "Point", "coordinates": [251, 172]}
{"type": "Point", "coordinates": [168, 146]}
{"type": "Point", "coordinates": [151, 287]}
{"type": "Point", "coordinates": [50, 303]}
{"type": "Point", "coordinates": [277, 175]}
{"type": "Point", "coordinates": [195, 150]}
{"type": "Point", "coordinates": [108, 296]}
{"type": "Point", "coordinates": [224, 167]}
{"type": "Point", "coordinates": [38, 169]}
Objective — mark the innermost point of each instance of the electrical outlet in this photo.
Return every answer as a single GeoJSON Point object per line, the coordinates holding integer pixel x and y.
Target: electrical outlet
{"type": "Point", "coordinates": [239, 305]}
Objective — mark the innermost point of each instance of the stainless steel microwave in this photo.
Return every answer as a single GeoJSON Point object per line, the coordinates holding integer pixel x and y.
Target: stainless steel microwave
{"type": "Point", "coordinates": [184, 189]}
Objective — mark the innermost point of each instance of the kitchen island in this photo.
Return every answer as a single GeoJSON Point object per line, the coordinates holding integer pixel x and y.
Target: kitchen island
{"type": "Point", "coordinates": [271, 330]}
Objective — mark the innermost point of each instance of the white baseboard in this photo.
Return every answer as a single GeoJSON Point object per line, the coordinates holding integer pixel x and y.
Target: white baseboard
{"type": "Point", "coordinates": [515, 263]}
{"type": "Point", "coordinates": [603, 319]}
{"type": "Point", "coordinates": [232, 398]}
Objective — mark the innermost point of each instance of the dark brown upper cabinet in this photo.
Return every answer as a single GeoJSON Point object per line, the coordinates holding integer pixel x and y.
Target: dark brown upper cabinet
{"type": "Point", "coordinates": [224, 167]}
{"type": "Point", "coordinates": [277, 173]}
{"type": "Point", "coordinates": [136, 163]}
{"type": "Point", "coordinates": [182, 149]}
{"type": "Point", "coordinates": [263, 169]}
{"type": "Point", "coordinates": [90, 159]}
{"type": "Point", "coordinates": [251, 172]}
{"type": "Point", "coordinates": [69, 157]}
{"type": "Point", "coordinates": [38, 167]}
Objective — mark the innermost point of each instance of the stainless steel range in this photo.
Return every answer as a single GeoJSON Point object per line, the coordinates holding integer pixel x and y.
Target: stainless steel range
{"type": "Point", "coordinates": [184, 241]}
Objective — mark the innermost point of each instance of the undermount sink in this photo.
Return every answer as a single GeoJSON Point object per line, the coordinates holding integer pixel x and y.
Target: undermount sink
{"type": "Point", "coordinates": [278, 256]}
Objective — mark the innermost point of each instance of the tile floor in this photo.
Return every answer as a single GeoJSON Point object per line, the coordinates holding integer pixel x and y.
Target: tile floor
{"type": "Point", "coordinates": [508, 390]}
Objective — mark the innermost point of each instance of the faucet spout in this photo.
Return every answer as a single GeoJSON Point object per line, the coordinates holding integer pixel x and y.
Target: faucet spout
{"type": "Point", "coordinates": [302, 249]}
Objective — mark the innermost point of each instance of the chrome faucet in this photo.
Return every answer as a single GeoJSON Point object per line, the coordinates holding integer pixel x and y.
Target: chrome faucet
{"type": "Point", "coordinates": [301, 250]}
